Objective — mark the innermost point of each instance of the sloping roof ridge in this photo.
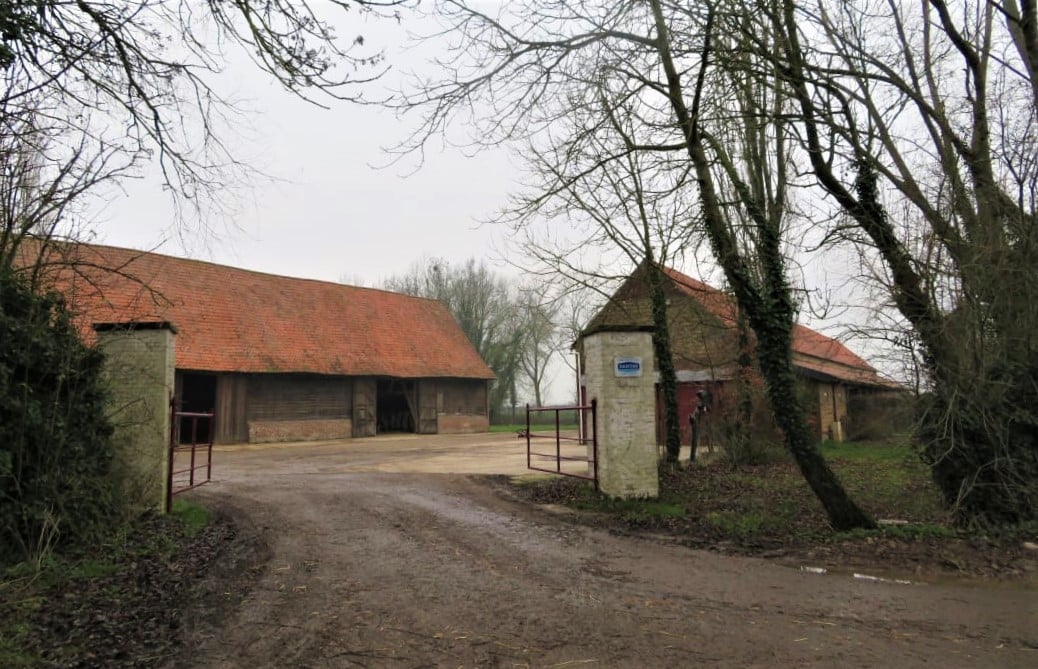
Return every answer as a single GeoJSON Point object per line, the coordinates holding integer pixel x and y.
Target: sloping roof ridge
{"type": "Point", "coordinates": [799, 347]}
{"type": "Point", "coordinates": [223, 266]}
{"type": "Point", "coordinates": [239, 320]}
{"type": "Point", "coordinates": [719, 303]}
{"type": "Point", "coordinates": [683, 278]}
{"type": "Point", "coordinates": [830, 340]}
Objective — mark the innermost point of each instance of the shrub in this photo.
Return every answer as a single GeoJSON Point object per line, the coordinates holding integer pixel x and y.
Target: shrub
{"type": "Point", "coordinates": [746, 428]}
{"type": "Point", "coordinates": [55, 448]}
{"type": "Point", "coordinates": [876, 416]}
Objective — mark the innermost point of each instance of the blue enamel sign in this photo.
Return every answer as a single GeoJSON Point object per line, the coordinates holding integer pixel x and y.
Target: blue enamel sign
{"type": "Point", "coordinates": [628, 367]}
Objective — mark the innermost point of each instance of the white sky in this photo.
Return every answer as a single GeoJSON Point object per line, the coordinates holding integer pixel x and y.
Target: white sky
{"type": "Point", "coordinates": [332, 214]}
{"type": "Point", "coordinates": [337, 210]}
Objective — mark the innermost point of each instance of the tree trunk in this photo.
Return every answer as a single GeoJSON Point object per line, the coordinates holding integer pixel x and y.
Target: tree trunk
{"type": "Point", "coordinates": [773, 352]}
{"type": "Point", "coordinates": [978, 432]}
{"type": "Point", "coordinates": [743, 384]}
{"type": "Point", "coordinates": [770, 309]}
{"type": "Point", "coordinates": [664, 361]}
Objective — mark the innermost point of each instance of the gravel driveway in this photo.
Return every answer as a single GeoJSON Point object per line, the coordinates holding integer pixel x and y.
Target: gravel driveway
{"type": "Point", "coordinates": [389, 553]}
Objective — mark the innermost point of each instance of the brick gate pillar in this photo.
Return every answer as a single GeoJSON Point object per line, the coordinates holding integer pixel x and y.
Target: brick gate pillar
{"type": "Point", "coordinates": [620, 373]}
{"type": "Point", "coordinates": [139, 365]}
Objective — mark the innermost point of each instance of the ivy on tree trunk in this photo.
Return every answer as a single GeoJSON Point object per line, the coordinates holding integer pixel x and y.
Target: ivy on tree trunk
{"type": "Point", "coordinates": [766, 302]}
{"type": "Point", "coordinates": [664, 361]}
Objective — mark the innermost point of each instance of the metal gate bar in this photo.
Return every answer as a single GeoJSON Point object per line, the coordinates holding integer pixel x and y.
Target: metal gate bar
{"type": "Point", "coordinates": [195, 448]}
{"type": "Point", "coordinates": [559, 438]}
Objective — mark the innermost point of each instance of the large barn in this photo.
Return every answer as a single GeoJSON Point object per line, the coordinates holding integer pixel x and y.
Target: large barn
{"type": "Point", "coordinates": [704, 342]}
{"type": "Point", "coordinates": [284, 359]}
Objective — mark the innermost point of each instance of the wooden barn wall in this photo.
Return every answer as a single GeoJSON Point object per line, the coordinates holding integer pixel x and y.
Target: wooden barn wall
{"type": "Point", "coordinates": [723, 414]}
{"type": "Point", "coordinates": [462, 406]}
{"type": "Point", "coordinates": [365, 400]}
{"type": "Point", "coordinates": [231, 424]}
{"type": "Point", "coordinates": [299, 397]}
{"type": "Point", "coordinates": [295, 407]}
{"type": "Point", "coordinates": [428, 414]}
{"type": "Point", "coordinates": [876, 414]}
{"type": "Point", "coordinates": [298, 407]}
{"type": "Point", "coordinates": [723, 408]}
{"type": "Point", "coordinates": [810, 392]}
{"type": "Point", "coordinates": [832, 407]}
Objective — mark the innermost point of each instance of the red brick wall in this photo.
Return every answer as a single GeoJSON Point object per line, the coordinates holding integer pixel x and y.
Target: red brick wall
{"type": "Point", "coordinates": [299, 430]}
{"type": "Point", "coordinates": [463, 424]}
{"type": "Point", "coordinates": [461, 406]}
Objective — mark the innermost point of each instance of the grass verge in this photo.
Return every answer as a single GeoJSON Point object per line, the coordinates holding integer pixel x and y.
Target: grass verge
{"type": "Point", "coordinates": [109, 606]}
{"type": "Point", "coordinates": [769, 509]}
{"type": "Point", "coordinates": [193, 517]}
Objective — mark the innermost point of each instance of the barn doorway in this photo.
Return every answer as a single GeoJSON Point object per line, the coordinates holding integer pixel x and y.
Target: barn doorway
{"type": "Point", "coordinates": [197, 395]}
{"type": "Point", "coordinates": [396, 406]}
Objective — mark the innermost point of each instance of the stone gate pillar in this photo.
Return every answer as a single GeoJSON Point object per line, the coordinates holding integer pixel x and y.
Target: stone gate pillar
{"type": "Point", "coordinates": [139, 365]}
{"type": "Point", "coordinates": [619, 372]}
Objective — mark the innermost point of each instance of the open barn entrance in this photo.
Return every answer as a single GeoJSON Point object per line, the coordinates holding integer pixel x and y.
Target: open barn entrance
{"type": "Point", "coordinates": [197, 394]}
{"type": "Point", "coordinates": [396, 406]}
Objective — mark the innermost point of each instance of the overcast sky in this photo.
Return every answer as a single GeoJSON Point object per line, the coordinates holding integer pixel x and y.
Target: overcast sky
{"type": "Point", "coordinates": [332, 214]}
{"type": "Point", "coordinates": [338, 210]}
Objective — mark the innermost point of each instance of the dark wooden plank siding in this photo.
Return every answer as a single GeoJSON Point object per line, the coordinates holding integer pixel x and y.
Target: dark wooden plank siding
{"type": "Point", "coordinates": [462, 396]}
{"type": "Point", "coordinates": [284, 397]}
{"type": "Point", "coordinates": [365, 393]}
{"type": "Point", "coordinates": [427, 413]}
{"type": "Point", "coordinates": [231, 423]}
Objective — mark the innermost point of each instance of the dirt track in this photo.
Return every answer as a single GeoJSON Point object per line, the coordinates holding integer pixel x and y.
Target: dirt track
{"type": "Point", "coordinates": [428, 570]}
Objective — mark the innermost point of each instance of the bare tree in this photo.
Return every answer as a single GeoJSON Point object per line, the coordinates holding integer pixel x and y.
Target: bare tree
{"type": "Point", "coordinates": [919, 121]}
{"type": "Point", "coordinates": [114, 85]}
{"type": "Point", "coordinates": [575, 308]}
{"type": "Point", "coordinates": [487, 310]}
{"type": "Point", "coordinates": [91, 92]}
{"type": "Point", "coordinates": [628, 207]}
{"type": "Point", "coordinates": [541, 336]}
{"type": "Point", "coordinates": [751, 166]}
{"type": "Point", "coordinates": [599, 66]}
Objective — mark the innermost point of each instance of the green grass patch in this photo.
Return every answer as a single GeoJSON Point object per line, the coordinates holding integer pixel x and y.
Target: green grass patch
{"type": "Point", "coordinates": [193, 517]}
{"type": "Point", "coordinates": [582, 496]}
{"type": "Point", "coordinates": [887, 479]}
{"type": "Point", "coordinates": [770, 505]}
{"type": "Point", "coordinates": [88, 569]}
{"type": "Point", "coordinates": [35, 594]}
{"type": "Point", "coordinates": [53, 571]}
{"type": "Point", "coordinates": [532, 480]}
{"type": "Point", "coordinates": [13, 646]}
{"type": "Point", "coordinates": [866, 451]}
{"type": "Point", "coordinates": [636, 510]}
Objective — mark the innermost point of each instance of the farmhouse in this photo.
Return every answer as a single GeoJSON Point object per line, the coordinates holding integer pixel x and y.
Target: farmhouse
{"type": "Point", "coordinates": [704, 340]}
{"type": "Point", "coordinates": [281, 358]}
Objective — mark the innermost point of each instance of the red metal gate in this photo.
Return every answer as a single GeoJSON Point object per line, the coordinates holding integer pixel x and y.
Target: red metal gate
{"type": "Point", "coordinates": [190, 451]}
{"type": "Point", "coordinates": [582, 438]}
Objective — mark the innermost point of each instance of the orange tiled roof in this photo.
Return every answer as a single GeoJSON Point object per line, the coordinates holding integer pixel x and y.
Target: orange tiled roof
{"type": "Point", "coordinates": [812, 350]}
{"type": "Point", "coordinates": [236, 320]}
